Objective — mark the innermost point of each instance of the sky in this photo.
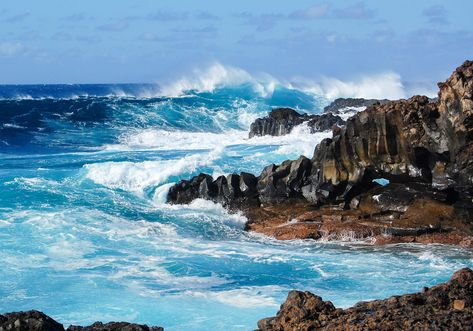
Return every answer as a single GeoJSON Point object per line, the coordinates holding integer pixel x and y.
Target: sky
{"type": "Point", "coordinates": [138, 41]}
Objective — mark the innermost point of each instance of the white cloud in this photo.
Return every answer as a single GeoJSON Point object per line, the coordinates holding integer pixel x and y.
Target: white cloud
{"type": "Point", "coordinates": [8, 49]}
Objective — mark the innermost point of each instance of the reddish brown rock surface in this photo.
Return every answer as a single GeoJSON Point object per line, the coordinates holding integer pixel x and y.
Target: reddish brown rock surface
{"type": "Point", "coordinates": [447, 306]}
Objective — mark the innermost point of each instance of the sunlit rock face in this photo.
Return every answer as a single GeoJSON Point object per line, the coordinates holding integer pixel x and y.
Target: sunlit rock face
{"type": "Point", "coordinates": [414, 139]}
{"type": "Point", "coordinates": [442, 307]}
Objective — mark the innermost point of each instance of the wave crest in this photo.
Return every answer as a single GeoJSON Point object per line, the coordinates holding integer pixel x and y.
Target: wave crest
{"type": "Point", "coordinates": [217, 76]}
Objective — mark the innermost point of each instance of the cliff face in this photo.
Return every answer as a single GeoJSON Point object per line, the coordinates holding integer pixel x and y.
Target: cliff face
{"type": "Point", "coordinates": [423, 147]}
{"type": "Point", "coordinates": [414, 140]}
{"type": "Point", "coordinates": [446, 306]}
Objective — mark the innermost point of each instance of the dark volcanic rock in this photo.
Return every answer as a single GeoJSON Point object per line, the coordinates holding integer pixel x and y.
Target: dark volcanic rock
{"type": "Point", "coordinates": [446, 306]}
{"type": "Point", "coordinates": [281, 121]}
{"type": "Point", "coordinates": [28, 321]}
{"type": "Point", "coordinates": [402, 140]}
{"type": "Point", "coordinates": [338, 105]}
{"type": "Point", "coordinates": [114, 326]}
{"type": "Point", "coordinates": [423, 147]}
{"type": "Point", "coordinates": [37, 321]}
{"type": "Point", "coordinates": [234, 191]}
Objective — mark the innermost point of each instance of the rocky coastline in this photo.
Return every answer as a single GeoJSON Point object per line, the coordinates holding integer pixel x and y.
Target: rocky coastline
{"type": "Point", "coordinates": [448, 306]}
{"type": "Point", "coordinates": [423, 147]}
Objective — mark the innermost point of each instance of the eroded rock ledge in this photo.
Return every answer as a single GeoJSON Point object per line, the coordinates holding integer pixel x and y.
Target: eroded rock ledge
{"type": "Point", "coordinates": [423, 147]}
{"type": "Point", "coordinates": [446, 306]}
{"type": "Point", "coordinates": [34, 320]}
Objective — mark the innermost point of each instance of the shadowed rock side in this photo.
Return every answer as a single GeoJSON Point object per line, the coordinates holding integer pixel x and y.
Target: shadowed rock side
{"type": "Point", "coordinates": [446, 306]}
{"type": "Point", "coordinates": [37, 321]}
{"type": "Point", "coordinates": [424, 148]}
{"type": "Point", "coordinates": [281, 121]}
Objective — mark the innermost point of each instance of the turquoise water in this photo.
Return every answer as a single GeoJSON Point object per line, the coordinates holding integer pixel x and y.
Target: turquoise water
{"type": "Point", "coordinates": [86, 235]}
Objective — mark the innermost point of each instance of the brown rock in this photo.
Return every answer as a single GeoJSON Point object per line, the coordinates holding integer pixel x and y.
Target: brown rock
{"type": "Point", "coordinates": [443, 307]}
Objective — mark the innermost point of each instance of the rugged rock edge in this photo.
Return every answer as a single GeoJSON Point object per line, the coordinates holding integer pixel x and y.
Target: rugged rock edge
{"type": "Point", "coordinates": [448, 306]}
{"type": "Point", "coordinates": [34, 320]}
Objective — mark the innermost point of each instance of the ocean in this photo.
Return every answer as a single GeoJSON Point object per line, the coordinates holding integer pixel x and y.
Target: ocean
{"type": "Point", "coordinates": [86, 234]}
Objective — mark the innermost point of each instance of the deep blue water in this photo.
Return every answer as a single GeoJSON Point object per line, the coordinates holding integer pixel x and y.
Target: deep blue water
{"type": "Point", "coordinates": [85, 233]}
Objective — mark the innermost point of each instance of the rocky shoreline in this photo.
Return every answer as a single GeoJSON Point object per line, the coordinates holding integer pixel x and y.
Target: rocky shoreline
{"type": "Point", "coordinates": [448, 306]}
{"type": "Point", "coordinates": [422, 147]}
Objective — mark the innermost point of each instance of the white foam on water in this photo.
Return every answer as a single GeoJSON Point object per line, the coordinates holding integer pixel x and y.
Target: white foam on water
{"type": "Point", "coordinates": [157, 139]}
{"type": "Point", "coordinates": [347, 112]}
{"type": "Point", "coordinates": [383, 85]}
{"type": "Point", "coordinates": [298, 142]}
{"type": "Point", "coordinates": [216, 76]}
{"type": "Point", "coordinates": [245, 297]}
{"type": "Point", "coordinates": [135, 177]}
{"type": "Point", "coordinates": [198, 208]}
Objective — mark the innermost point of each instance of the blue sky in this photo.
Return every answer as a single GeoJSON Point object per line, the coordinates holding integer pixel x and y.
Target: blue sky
{"type": "Point", "coordinates": [65, 41]}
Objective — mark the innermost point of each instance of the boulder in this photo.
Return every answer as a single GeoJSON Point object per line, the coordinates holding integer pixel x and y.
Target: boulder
{"type": "Point", "coordinates": [29, 321]}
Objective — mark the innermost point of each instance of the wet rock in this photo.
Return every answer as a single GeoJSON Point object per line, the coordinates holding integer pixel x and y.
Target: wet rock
{"type": "Point", "coordinates": [186, 191]}
{"type": "Point", "coordinates": [234, 191]}
{"type": "Point", "coordinates": [281, 121]}
{"type": "Point", "coordinates": [28, 321]}
{"type": "Point", "coordinates": [446, 306]}
{"type": "Point", "coordinates": [277, 183]}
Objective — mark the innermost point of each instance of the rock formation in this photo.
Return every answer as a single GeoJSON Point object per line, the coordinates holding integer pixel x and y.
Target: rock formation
{"type": "Point", "coordinates": [281, 121]}
{"type": "Point", "coordinates": [339, 105]}
{"type": "Point", "coordinates": [29, 321]}
{"type": "Point", "coordinates": [447, 306]}
{"type": "Point", "coordinates": [37, 321]}
{"type": "Point", "coordinates": [423, 147]}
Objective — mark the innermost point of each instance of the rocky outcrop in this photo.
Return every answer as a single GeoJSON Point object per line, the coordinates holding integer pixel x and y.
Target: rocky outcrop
{"type": "Point", "coordinates": [37, 321]}
{"type": "Point", "coordinates": [424, 148]}
{"type": "Point", "coordinates": [447, 306]}
{"type": "Point", "coordinates": [341, 105]}
{"type": "Point", "coordinates": [29, 321]}
{"type": "Point", "coordinates": [406, 140]}
{"type": "Point", "coordinates": [232, 191]}
{"type": "Point", "coordinates": [281, 121]}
